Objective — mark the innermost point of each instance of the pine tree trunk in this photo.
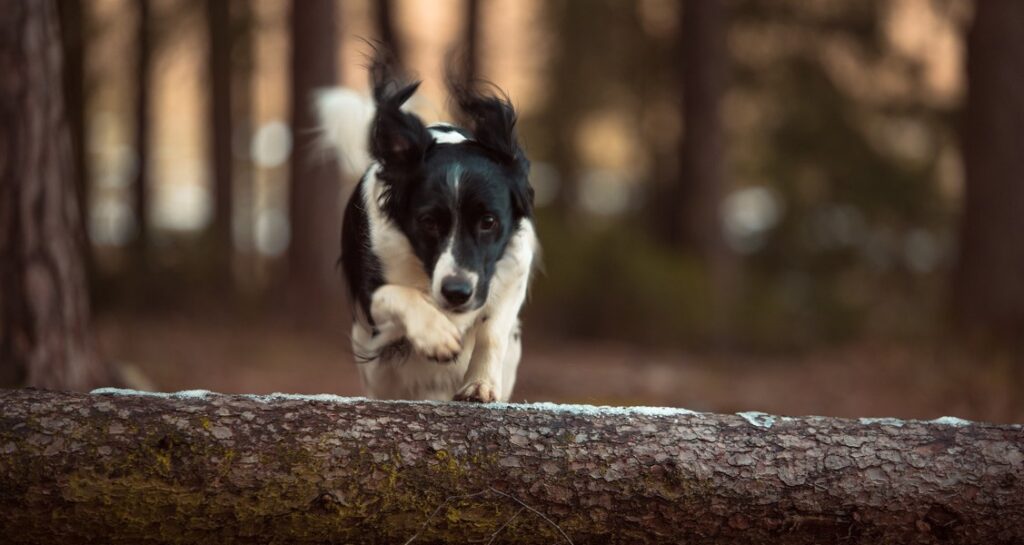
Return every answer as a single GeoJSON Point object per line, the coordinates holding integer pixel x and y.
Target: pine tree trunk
{"type": "Point", "coordinates": [243, 66]}
{"type": "Point", "coordinates": [386, 32]}
{"type": "Point", "coordinates": [989, 283]}
{"type": "Point", "coordinates": [702, 179]}
{"type": "Point", "coordinates": [204, 468]}
{"type": "Point", "coordinates": [73, 24]}
{"type": "Point", "coordinates": [573, 31]}
{"type": "Point", "coordinates": [218, 20]}
{"type": "Point", "coordinates": [472, 39]}
{"type": "Point", "coordinates": [140, 185]}
{"type": "Point", "coordinates": [44, 303]}
{"type": "Point", "coordinates": [703, 58]}
{"type": "Point", "coordinates": [315, 199]}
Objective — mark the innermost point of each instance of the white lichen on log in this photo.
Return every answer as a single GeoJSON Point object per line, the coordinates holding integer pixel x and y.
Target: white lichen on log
{"type": "Point", "coordinates": [197, 467]}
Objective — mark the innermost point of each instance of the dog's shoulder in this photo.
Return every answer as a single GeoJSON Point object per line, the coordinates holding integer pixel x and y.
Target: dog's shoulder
{"type": "Point", "coordinates": [361, 266]}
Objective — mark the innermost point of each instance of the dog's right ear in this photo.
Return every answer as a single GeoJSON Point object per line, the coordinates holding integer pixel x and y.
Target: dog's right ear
{"type": "Point", "coordinates": [398, 139]}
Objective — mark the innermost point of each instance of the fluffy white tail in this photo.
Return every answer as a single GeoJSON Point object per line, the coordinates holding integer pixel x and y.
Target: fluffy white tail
{"type": "Point", "coordinates": [345, 116]}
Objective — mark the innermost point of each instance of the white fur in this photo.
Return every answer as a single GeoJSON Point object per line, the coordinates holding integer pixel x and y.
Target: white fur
{"type": "Point", "coordinates": [399, 262]}
{"type": "Point", "coordinates": [445, 137]}
{"type": "Point", "coordinates": [491, 349]}
{"type": "Point", "coordinates": [496, 354]}
{"type": "Point", "coordinates": [345, 118]}
{"type": "Point", "coordinates": [408, 304]}
{"type": "Point", "coordinates": [453, 178]}
{"type": "Point", "coordinates": [445, 267]}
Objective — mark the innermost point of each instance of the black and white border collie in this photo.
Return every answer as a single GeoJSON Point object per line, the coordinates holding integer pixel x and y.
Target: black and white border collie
{"type": "Point", "coordinates": [438, 241]}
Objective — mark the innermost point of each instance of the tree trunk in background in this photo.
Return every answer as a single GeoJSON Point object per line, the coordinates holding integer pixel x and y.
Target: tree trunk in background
{"type": "Point", "coordinates": [292, 469]}
{"type": "Point", "coordinates": [315, 198]}
{"type": "Point", "coordinates": [702, 180]}
{"type": "Point", "coordinates": [573, 31]}
{"type": "Point", "coordinates": [472, 39]}
{"type": "Point", "coordinates": [989, 282]}
{"type": "Point", "coordinates": [44, 302]}
{"type": "Point", "coordinates": [218, 19]}
{"type": "Point", "coordinates": [703, 58]}
{"type": "Point", "coordinates": [243, 65]}
{"type": "Point", "coordinates": [140, 186]}
{"type": "Point", "coordinates": [385, 15]}
{"type": "Point", "coordinates": [73, 25]}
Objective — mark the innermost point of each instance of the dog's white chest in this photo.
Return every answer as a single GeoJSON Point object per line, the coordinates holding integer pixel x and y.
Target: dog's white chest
{"type": "Point", "coordinates": [411, 376]}
{"type": "Point", "coordinates": [405, 374]}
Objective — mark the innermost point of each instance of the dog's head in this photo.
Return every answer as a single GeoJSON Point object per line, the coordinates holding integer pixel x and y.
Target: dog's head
{"type": "Point", "coordinates": [457, 195]}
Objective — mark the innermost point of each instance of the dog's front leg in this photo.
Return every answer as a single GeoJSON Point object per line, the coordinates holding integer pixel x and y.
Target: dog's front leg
{"type": "Point", "coordinates": [483, 377]}
{"type": "Point", "coordinates": [399, 310]}
{"type": "Point", "coordinates": [494, 333]}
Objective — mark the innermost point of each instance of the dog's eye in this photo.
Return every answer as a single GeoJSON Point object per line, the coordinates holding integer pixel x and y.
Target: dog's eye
{"type": "Point", "coordinates": [428, 223]}
{"type": "Point", "coordinates": [488, 223]}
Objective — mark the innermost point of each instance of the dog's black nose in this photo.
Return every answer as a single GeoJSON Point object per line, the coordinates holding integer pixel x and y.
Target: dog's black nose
{"type": "Point", "coordinates": [456, 290]}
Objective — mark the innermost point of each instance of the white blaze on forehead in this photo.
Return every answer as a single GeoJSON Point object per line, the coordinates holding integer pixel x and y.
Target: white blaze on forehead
{"type": "Point", "coordinates": [453, 179]}
{"type": "Point", "coordinates": [446, 265]}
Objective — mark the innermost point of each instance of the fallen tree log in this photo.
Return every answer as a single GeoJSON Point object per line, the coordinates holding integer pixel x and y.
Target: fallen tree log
{"type": "Point", "coordinates": [194, 467]}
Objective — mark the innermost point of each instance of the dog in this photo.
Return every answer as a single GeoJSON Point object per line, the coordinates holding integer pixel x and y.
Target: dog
{"type": "Point", "coordinates": [438, 242]}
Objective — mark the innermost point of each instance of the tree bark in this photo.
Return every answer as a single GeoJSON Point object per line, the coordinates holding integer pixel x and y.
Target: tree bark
{"type": "Point", "coordinates": [74, 24]}
{"type": "Point", "coordinates": [243, 66]}
{"type": "Point", "coordinates": [315, 199]}
{"type": "Point", "coordinates": [703, 58]}
{"type": "Point", "coordinates": [573, 27]}
{"type": "Point", "coordinates": [44, 303]}
{"type": "Point", "coordinates": [218, 20]}
{"type": "Point", "coordinates": [472, 39]}
{"type": "Point", "coordinates": [140, 185]}
{"type": "Point", "coordinates": [384, 11]}
{"type": "Point", "coordinates": [204, 468]}
{"type": "Point", "coordinates": [988, 288]}
{"type": "Point", "coordinates": [702, 179]}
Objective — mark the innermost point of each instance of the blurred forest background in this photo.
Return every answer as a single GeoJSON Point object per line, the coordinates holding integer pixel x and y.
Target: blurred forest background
{"type": "Point", "coordinates": [804, 207]}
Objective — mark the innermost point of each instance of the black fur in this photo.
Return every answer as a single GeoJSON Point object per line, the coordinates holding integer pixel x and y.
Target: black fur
{"type": "Point", "coordinates": [360, 266]}
{"type": "Point", "coordinates": [492, 121]}
{"type": "Point", "coordinates": [435, 210]}
{"type": "Point", "coordinates": [419, 177]}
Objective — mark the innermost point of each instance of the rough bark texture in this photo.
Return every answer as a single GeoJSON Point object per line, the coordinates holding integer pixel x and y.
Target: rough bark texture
{"type": "Point", "coordinates": [44, 307]}
{"type": "Point", "coordinates": [989, 296]}
{"type": "Point", "coordinates": [206, 468]}
{"type": "Point", "coordinates": [315, 198]}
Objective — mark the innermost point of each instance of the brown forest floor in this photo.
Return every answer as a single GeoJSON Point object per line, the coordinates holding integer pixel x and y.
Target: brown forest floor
{"type": "Point", "coordinates": [221, 354]}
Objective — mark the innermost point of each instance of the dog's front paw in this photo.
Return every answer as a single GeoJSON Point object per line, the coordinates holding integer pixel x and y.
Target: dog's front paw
{"type": "Point", "coordinates": [434, 336]}
{"type": "Point", "coordinates": [483, 391]}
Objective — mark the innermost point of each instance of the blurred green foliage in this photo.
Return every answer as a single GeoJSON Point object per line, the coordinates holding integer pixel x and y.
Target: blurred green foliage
{"type": "Point", "coordinates": [616, 283]}
{"type": "Point", "coordinates": [865, 237]}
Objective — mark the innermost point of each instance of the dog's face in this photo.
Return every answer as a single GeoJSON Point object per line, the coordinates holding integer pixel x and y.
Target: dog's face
{"type": "Point", "coordinates": [460, 219]}
{"type": "Point", "coordinates": [458, 197]}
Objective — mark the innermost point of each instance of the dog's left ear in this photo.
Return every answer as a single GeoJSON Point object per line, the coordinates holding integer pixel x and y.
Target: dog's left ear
{"type": "Point", "coordinates": [492, 120]}
{"type": "Point", "coordinates": [398, 139]}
